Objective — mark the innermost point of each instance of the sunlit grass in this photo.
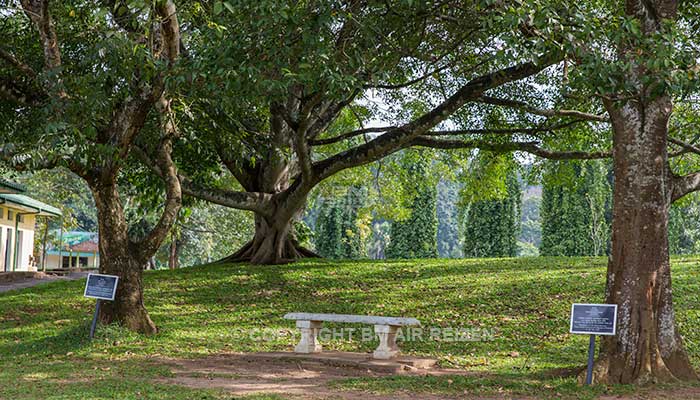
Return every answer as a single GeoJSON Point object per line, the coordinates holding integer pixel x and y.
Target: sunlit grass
{"type": "Point", "coordinates": [45, 353]}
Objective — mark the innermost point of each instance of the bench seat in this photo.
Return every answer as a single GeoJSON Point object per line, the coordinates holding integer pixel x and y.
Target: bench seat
{"type": "Point", "coordinates": [350, 319]}
{"type": "Point", "coordinates": [384, 327]}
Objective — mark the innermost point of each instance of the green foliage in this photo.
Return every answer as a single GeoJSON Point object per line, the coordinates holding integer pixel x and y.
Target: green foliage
{"type": "Point", "coordinates": [576, 204]}
{"type": "Point", "coordinates": [338, 233]}
{"type": "Point", "coordinates": [684, 226]}
{"type": "Point", "coordinates": [416, 236]}
{"type": "Point", "coordinates": [492, 226]}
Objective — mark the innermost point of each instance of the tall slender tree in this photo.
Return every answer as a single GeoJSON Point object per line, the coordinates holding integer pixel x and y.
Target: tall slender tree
{"type": "Point", "coordinates": [575, 209]}
{"type": "Point", "coordinates": [337, 233]}
{"type": "Point", "coordinates": [416, 237]}
{"type": "Point", "coordinates": [491, 226]}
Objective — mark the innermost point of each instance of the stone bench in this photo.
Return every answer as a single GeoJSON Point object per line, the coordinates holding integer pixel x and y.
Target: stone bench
{"type": "Point", "coordinates": [385, 327]}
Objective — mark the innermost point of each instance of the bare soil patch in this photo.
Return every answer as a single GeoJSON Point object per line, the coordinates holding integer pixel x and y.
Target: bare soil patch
{"type": "Point", "coordinates": [246, 374]}
{"type": "Point", "coordinates": [243, 374]}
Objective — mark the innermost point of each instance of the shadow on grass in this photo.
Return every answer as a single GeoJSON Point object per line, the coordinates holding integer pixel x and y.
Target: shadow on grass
{"type": "Point", "coordinates": [70, 339]}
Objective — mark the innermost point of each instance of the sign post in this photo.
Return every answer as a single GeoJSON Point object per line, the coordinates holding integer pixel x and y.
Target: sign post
{"type": "Point", "coordinates": [100, 287]}
{"type": "Point", "coordinates": [593, 319]}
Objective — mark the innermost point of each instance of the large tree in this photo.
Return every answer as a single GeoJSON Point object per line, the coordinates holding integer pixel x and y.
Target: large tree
{"type": "Point", "coordinates": [276, 76]}
{"type": "Point", "coordinates": [81, 83]}
{"type": "Point", "coordinates": [654, 63]}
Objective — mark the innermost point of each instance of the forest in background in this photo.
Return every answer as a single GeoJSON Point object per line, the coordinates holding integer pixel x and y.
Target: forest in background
{"type": "Point", "coordinates": [563, 209]}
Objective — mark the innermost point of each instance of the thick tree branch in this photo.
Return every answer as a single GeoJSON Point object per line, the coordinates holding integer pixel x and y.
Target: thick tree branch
{"type": "Point", "coordinates": [398, 138]}
{"type": "Point", "coordinates": [251, 201]}
{"type": "Point", "coordinates": [349, 135]}
{"type": "Point", "coordinates": [687, 146]}
{"type": "Point", "coordinates": [683, 185]}
{"type": "Point", "coordinates": [20, 66]}
{"type": "Point", "coordinates": [38, 13]}
{"type": "Point", "coordinates": [170, 28]}
{"type": "Point", "coordinates": [543, 112]}
{"type": "Point", "coordinates": [150, 244]}
{"type": "Point", "coordinates": [528, 147]}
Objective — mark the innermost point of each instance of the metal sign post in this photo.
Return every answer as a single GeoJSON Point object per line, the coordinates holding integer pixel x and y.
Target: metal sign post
{"type": "Point", "coordinates": [94, 319]}
{"type": "Point", "coordinates": [593, 319]}
{"type": "Point", "coordinates": [100, 287]}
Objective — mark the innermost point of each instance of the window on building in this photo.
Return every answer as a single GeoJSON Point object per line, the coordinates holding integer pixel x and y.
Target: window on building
{"type": "Point", "coordinates": [2, 212]}
{"type": "Point", "coordinates": [77, 262]}
{"type": "Point", "coordinates": [10, 215]}
{"type": "Point", "coordinates": [20, 217]}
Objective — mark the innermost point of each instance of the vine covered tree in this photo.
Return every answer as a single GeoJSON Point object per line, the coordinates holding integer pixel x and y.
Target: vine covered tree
{"type": "Point", "coordinates": [416, 236]}
{"type": "Point", "coordinates": [337, 233]}
{"type": "Point", "coordinates": [492, 226]}
{"type": "Point", "coordinates": [575, 209]}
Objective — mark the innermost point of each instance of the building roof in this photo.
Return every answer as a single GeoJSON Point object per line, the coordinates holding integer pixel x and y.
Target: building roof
{"type": "Point", "coordinates": [11, 187]}
{"type": "Point", "coordinates": [29, 204]}
{"type": "Point", "coordinates": [76, 241]}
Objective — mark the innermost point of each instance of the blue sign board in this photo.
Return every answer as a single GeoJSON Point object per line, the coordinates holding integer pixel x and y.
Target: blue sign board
{"type": "Point", "coordinates": [101, 287]}
{"type": "Point", "coordinates": [593, 319]}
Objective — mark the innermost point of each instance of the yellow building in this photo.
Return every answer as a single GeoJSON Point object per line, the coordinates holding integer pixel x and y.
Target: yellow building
{"type": "Point", "coordinates": [18, 214]}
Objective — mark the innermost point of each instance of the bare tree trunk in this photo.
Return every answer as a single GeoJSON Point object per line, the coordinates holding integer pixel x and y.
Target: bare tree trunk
{"type": "Point", "coordinates": [647, 347]}
{"type": "Point", "coordinates": [273, 243]}
{"type": "Point", "coordinates": [174, 252]}
{"type": "Point", "coordinates": [119, 257]}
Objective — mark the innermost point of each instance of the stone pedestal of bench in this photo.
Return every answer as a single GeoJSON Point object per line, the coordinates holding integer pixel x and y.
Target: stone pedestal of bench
{"type": "Point", "coordinates": [309, 337]}
{"type": "Point", "coordinates": [384, 327]}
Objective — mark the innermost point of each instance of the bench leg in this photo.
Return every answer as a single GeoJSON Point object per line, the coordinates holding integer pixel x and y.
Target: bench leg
{"type": "Point", "coordinates": [309, 337]}
{"type": "Point", "coordinates": [387, 342]}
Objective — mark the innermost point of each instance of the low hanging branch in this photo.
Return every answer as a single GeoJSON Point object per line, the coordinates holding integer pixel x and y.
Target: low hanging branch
{"type": "Point", "coordinates": [251, 201]}
{"type": "Point", "coordinates": [528, 147]}
{"type": "Point", "coordinates": [398, 138]}
{"type": "Point", "coordinates": [539, 111]}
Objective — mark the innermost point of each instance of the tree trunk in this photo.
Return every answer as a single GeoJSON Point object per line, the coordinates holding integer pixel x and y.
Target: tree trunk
{"type": "Point", "coordinates": [647, 347]}
{"type": "Point", "coordinates": [174, 252]}
{"type": "Point", "coordinates": [118, 257]}
{"type": "Point", "coordinates": [274, 242]}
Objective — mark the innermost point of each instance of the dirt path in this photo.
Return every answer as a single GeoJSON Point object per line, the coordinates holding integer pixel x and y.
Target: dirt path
{"type": "Point", "coordinates": [41, 279]}
{"type": "Point", "coordinates": [241, 375]}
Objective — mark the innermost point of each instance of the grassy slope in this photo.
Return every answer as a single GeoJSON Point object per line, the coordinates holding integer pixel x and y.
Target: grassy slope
{"type": "Point", "coordinates": [44, 352]}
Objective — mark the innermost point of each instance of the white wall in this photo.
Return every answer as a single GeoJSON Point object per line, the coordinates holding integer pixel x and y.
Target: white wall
{"type": "Point", "coordinates": [27, 244]}
{"type": "Point", "coordinates": [54, 262]}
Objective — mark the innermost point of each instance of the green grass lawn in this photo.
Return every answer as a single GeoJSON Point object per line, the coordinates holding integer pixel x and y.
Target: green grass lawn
{"type": "Point", "coordinates": [524, 302]}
